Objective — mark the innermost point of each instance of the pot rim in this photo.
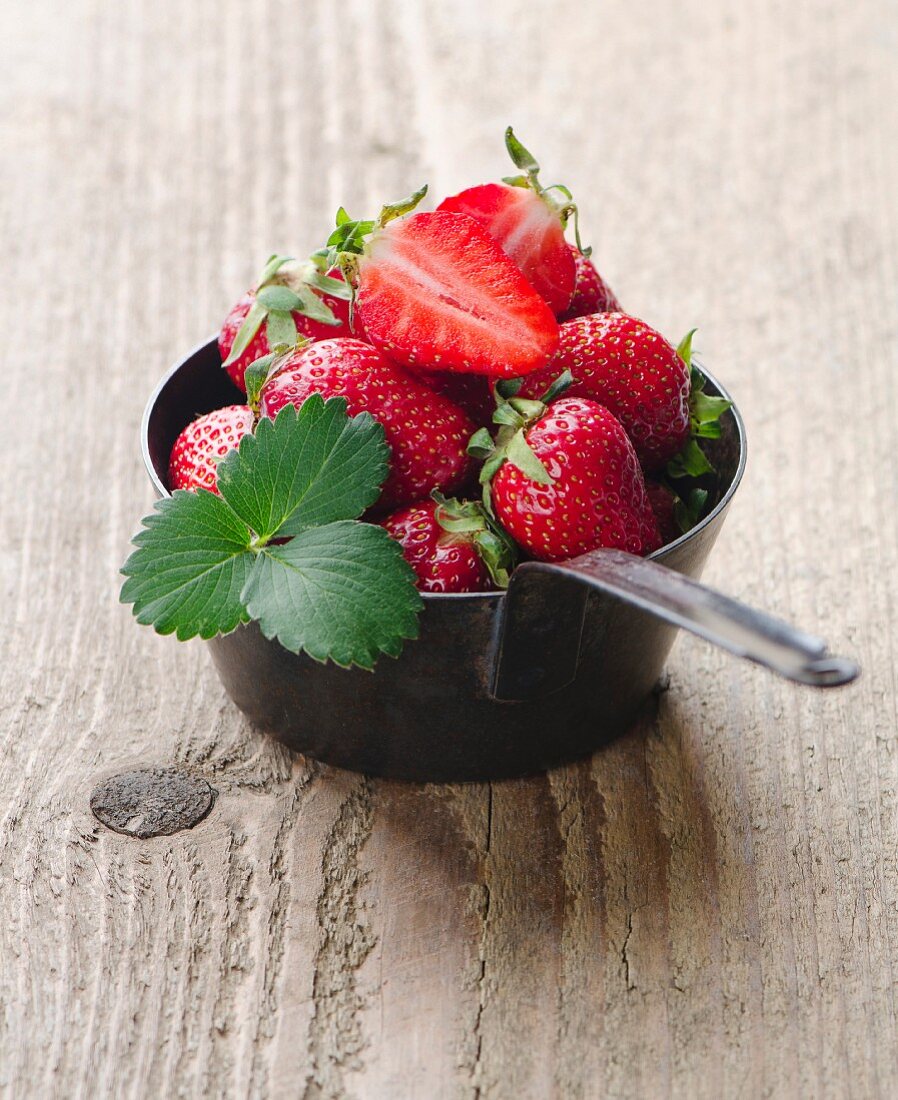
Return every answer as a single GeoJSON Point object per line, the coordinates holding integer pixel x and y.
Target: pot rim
{"type": "Point", "coordinates": [662, 551]}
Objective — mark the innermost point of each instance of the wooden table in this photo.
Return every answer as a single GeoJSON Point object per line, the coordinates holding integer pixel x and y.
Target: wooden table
{"type": "Point", "coordinates": [710, 907]}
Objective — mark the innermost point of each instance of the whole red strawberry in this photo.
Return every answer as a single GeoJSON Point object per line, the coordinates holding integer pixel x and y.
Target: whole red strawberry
{"type": "Point", "coordinates": [663, 502]}
{"type": "Point", "coordinates": [193, 463]}
{"type": "Point", "coordinates": [253, 326]}
{"type": "Point", "coordinates": [436, 292]}
{"type": "Point", "coordinates": [634, 372]}
{"type": "Point", "coordinates": [591, 293]}
{"type": "Point", "coordinates": [565, 480]}
{"type": "Point", "coordinates": [444, 561]}
{"type": "Point", "coordinates": [426, 433]}
{"type": "Point", "coordinates": [528, 221]}
{"type": "Point", "coordinates": [470, 392]}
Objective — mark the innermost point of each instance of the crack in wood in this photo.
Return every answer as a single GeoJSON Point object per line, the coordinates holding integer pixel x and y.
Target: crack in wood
{"type": "Point", "coordinates": [335, 1033]}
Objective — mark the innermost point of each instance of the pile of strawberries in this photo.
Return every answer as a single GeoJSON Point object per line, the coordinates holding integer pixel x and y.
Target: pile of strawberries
{"type": "Point", "coordinates": [491, 351]}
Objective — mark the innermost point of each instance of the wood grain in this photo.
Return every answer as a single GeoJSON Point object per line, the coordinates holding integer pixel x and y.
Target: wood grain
{"type": "Point", "coordinates": [709, 907]}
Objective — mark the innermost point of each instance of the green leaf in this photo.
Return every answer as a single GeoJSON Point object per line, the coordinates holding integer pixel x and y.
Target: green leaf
{"type": "Point", "coordinates": [688, 512]}
{"type": "Point", "coordinates": [191, 563]}
{"type": "Point", "coordinates": [342, 592]}
{"type": "Point", "coordinates": [481, 444]}
{"type": "Point", "coordinates": [690, 462]}
{"type": "Point", "coordinates": [272, 267]}
{"type": "Point", "coordinates": [498, 553]}
{"type": "Point", "coordinates": [251, 325]}
{"type": "Point", "coordinates": [508, 387]}
{"type": "Point", "coordinates": [310, 305]}
{"type": "Point", "coordinates": [684, 348]}
{"type": "Point", "coordinates": [336, 288]}
{"type": "Point", "coordinates": [304, 469]}
{"type": "Point", "coordinates": [521, 157]}
{"type": "Point", "coordinates": [280, 328]}
{"type": "Point", "coordinates": [516, 181]}
{"type": "Point", "coordinates": [526, 408]}
{"type": "Point", "coordinates": [277, 297]}
{"type": "Point", "coordinates": [255, 376]}
{"type": "Point", "coordinates": [519, 454]}
{"type": "Point", "coordinates": [562, 383]}
{"type": "Point", "coordinates": [705, 409]}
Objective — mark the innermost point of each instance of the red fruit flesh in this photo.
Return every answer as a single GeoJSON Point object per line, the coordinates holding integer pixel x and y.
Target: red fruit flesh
{"type": "Point", "coordinates": [437, 292]}
{"type": "Point", "coordinates": [529, 231]}
{"type": "Point", "coordinates": [630, 368]}
{"type": "Point", "coordinates": [443, 562]}
{"type": "Point", "coordinates": [591, 293]}
{"type": "Point", "coordinates": [194, 459]}
{"type": "Point", "coordinates": [305, 326]}
{"type": "Point", "coordinates": [598, 498]}
{"type": "Point", "coordinates": [427, 434]}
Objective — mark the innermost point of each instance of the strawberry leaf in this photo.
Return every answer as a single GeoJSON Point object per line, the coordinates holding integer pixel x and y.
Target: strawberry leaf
{"type": "Point", "coordinates": [272, 267]}
{"type": "Point", "coordinates": [305, 469]}
{"type": "Point", "coordinates": [251, 325]}
{"type": "Point", "coordinates": [340, 589]}
{"type": "Point", "coordinates": [310, 305]}
{"type": "Point", "coordinates": [336, 288]}
{"type": "Point", "coordinates": [690, 462]}
{"type": "Point", "coordinates": [341, 592]}
{"type": "Point", "coordinates": [277, 297]}
{"type": "Point", "coordinates": [280, 328]}
{"type": "Point", "coordinates": [190, 566]}
{"type": "Point", "coordinates": [519, 454]}
{"type": "Point", "coordinates": [688, 511]}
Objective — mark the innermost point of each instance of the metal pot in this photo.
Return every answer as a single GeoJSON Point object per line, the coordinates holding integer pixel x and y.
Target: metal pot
{"type": "Point", "coordinates": [498, 684]}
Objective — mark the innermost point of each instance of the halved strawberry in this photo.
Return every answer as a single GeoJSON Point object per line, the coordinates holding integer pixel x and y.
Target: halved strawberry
{"type": "Point", "coordinates": [529, 231]}
{"type": "Point", "coordinates": [528, 221]}
{"type": "Point", "coordinates": [193, 463]}
{"type": "Point", "coordinates": [426, 433]}
{"type": "Point", "coordinates": [290, 300]}
{"type": "Point", "coordinates": [436, 292]}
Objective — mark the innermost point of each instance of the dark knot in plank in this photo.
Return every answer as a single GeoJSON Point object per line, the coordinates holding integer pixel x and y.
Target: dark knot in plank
{"type": "Point", "coordinates": [151, 802]}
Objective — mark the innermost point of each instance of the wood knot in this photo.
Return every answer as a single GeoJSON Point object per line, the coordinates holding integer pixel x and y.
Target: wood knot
{"type": "Point", "coordinates": [152, 802]}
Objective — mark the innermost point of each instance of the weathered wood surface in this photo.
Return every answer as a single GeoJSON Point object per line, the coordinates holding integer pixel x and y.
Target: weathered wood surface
{"type": "Point", "coordinates": [708, 908]}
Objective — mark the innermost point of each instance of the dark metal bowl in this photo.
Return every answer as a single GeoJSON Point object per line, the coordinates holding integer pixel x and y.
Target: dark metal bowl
{"type": "Point", "coordinates": [498, 684]}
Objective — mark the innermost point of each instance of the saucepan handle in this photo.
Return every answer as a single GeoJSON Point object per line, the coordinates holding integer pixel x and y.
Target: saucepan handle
{"type": "Point", "coordinates": [727, 623]}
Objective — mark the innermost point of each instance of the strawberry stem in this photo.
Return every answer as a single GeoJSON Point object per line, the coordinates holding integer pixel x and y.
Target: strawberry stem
{"type": "Point", "coordinates": [470, 519]}
{"type": "Point", "coordinates": [527, 163]}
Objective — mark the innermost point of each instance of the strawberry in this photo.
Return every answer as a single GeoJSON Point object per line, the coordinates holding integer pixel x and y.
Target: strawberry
{"type": "Point", "coordinates": [443, 561]}
{"type": "Point", "coordinates": [591, 293]}
{"type": "Point", "coordinates": [633, 371]}
{"type": "Point", "coordinates": [426, 433]}
{"type": "Point", "coordinates": [436, 292]}
{"type": "Point", "coordinates": [470, 392]}
{"type": "Point", "coordinates": [663, 501]}
{"type": "Point", "coordinates": [530, 233]}
{"type": "Point", "coordinates": [528, 222]}
{"type": "Point", "coordinates": [290, 300]}
{"type": "Point", "coordinates": [563, 479]}
{"type": "Point", "coordinates": [194, 459]}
